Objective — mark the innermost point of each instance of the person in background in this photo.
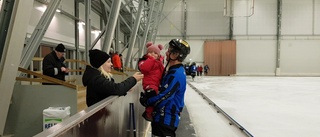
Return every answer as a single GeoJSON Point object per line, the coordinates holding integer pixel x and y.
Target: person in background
{"type": "Point", "coordinates": [198, 71]}
{"type": "Point", "coordinates": [53, 66]}
{"type": "Point", "coordinates": [193, 70]}
{"type": "Point", "coordinates": [122, 69]}
{"type": "Point", "coordinates": [186, 67]}
{"type": "Point", "coordinates": [206, 68]}
{"type": "Point", "coordinates": [200, 68]}
{"type": "Point", "coordinates": [168, 104]}
{"type": "Point", "coordinates": [98, 79]}
{"type": "Point", "coordinates": [152, 67]}
{"type": "Point", "coordinates": [111, 52]}
{"type": "Point", "coordinates": [116, 61]}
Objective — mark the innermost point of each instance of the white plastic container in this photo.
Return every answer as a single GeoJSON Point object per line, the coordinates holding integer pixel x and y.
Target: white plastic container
{"type": "Point", "coordinates": [54, 115]}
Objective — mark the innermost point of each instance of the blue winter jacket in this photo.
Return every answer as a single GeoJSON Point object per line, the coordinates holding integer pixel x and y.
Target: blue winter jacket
{"type": "Point", "coordinates": [193, 69]}
{"type": "Point", "coordinates": [170, 101]}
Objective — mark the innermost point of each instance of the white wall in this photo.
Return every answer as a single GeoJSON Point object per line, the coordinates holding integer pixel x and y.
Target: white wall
{"type": "Point", "coordinates": [172, 18]}
{"type": "Point", "coordinates": [255, 35]}
{"type": "Point", "coordinates": [62, 28]}
{"type": "Point", "coordinates": [256, 57]}
{"type": "Point", "coordinates": [256, 41]}
{"type": "Point", "coordinates": [297, 17]}
{"type": "Point", "coordinates": [208, 16]}
{"type": "Point", "coordinates": [300, 57]}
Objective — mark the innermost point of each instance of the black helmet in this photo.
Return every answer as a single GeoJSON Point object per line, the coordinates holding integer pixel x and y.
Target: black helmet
{"type": "Point", "coordinates": [179, 46]}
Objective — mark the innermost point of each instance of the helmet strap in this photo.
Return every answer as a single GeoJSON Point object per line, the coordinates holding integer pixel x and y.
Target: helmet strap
{"type": "Point", "coordinates": [165, 68]}
{"type": "Point", "coordinates": [170, 59]}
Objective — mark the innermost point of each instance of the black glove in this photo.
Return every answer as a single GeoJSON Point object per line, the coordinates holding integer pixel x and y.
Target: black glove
{"type": "Point", "coordinates": [143, 99]}
{"type": "Point", "coordinates": [150, 93]}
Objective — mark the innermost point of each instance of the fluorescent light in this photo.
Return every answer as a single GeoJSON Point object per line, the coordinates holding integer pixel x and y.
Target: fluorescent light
{"type": "Point", "coordinates": [81, 23]}
{"type": "Point", "coordinates": [96, 31]}
{"type": "Point", "coordinates": [41, 8]}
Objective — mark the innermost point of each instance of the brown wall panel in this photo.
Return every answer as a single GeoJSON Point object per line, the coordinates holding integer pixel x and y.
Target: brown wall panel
{"type": "Point", "coordinates": [212, 57]}
{"type": "Point", "coordinates": [45, 50]}
{"type": "Point", "coordinates": [220, 57]}
{"type": "Point", "coordinates": [228, 52]}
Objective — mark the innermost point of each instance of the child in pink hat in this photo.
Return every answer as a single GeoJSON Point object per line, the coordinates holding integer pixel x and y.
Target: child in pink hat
{"type": "Point", "coordinates": [151, 65]}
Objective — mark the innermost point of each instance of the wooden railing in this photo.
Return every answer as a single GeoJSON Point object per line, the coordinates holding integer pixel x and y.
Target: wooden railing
{"type": "Point", "coordinates": [82, 62]}
{"type": "Point", "coordinates": [129, 69]}
{"type": "Point", "coordinates": [43, 78]}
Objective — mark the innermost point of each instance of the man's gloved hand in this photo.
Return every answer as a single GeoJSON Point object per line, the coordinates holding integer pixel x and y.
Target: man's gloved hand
{"type": "Point", "coordinates": [150, 93]}
{"type": "Point", "coordinates": [143, 99]}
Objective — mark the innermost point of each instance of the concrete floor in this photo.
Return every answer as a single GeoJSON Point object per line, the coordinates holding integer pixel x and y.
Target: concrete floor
{"type": "Point", "coordinates": [265, 106]}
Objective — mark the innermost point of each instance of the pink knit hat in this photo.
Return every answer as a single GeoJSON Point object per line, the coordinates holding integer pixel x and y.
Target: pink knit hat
{"type": "Point", "coordinates": [154, 48]}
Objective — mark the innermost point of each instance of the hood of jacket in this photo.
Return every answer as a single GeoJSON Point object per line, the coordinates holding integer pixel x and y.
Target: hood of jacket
{"type": "Point", "coordinates": [89, 74]}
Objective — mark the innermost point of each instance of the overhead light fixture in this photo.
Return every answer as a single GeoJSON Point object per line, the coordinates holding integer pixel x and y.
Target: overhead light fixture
{"type": "Point", "coordinates": [41, 8]}
{"type": "Point", "coordinates": [96, 31]}
{"type": "Point", "coordinates": [81, 23]}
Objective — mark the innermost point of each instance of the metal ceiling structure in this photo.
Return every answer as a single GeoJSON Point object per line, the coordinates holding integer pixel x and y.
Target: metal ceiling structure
{"type": "Point", "coordinates": [128, 15]}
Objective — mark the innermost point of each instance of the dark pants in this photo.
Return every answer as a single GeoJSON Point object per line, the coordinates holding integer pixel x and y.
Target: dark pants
{"type": "Point", "coordinates": [205, 72]}
{"type": "Point", "coordinates": [149, 109]}
{"type": "Point", "coordinates": [163, 130]}
{"type": "Point", "coordinates": [193, 74]}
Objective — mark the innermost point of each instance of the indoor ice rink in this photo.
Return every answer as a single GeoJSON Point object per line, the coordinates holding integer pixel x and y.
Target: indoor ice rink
{"type": "Point", "coordinates": [263, 57]}
{"type": "Point", "coordinates": [264, 106]}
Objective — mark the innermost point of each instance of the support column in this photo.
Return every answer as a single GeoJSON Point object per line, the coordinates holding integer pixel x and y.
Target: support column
{"type": "Point", "coordinates": [279, 17]}
{"type": "Point", "coordinates": [88, 27]}
{"type": "Point", "coordinates": [157, 20]}
{"type": "Point", "coordinates": [36, 37]}
{"type": "Point", "coordinates": [133, 36]}
{"type": "Point", "coordinates": [117, 39]}
{"type": "Point", "coordinates": [5, 16]}
{"type": "Point", "coordinates": [185, 20]}
{"type": "Point", "coordinates": [111, 25]}
{"type": "Point", "coordinates": [230, 28]}
{"type": "Point", "coordinates": [76, 33]}
{"type": "Point", "coordinates": [231, 22]}
{"type": "Point", "coordinates": [11, 55]}
{"type": "Point", "coordinates": [147, 28]}
{"type": "Point", "coordinates": [158, 7]}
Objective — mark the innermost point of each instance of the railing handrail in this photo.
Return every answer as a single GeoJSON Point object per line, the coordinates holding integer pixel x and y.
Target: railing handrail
{"type": "Point", "coordinates": [86, 63]}
{"type": "Point", "coordinates": [76, 119]}
{"type": "Point", "coordinates": [47, 78]}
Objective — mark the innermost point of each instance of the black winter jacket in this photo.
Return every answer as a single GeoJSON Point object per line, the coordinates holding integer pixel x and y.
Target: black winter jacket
{"type": "Point", "coordinates": [50, 62]}
{"type": "Point", "coordinates": [99, 87]}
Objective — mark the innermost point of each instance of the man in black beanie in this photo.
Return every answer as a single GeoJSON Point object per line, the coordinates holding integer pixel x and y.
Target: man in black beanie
{"type": "Point", "coordinates": [53, 66]}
